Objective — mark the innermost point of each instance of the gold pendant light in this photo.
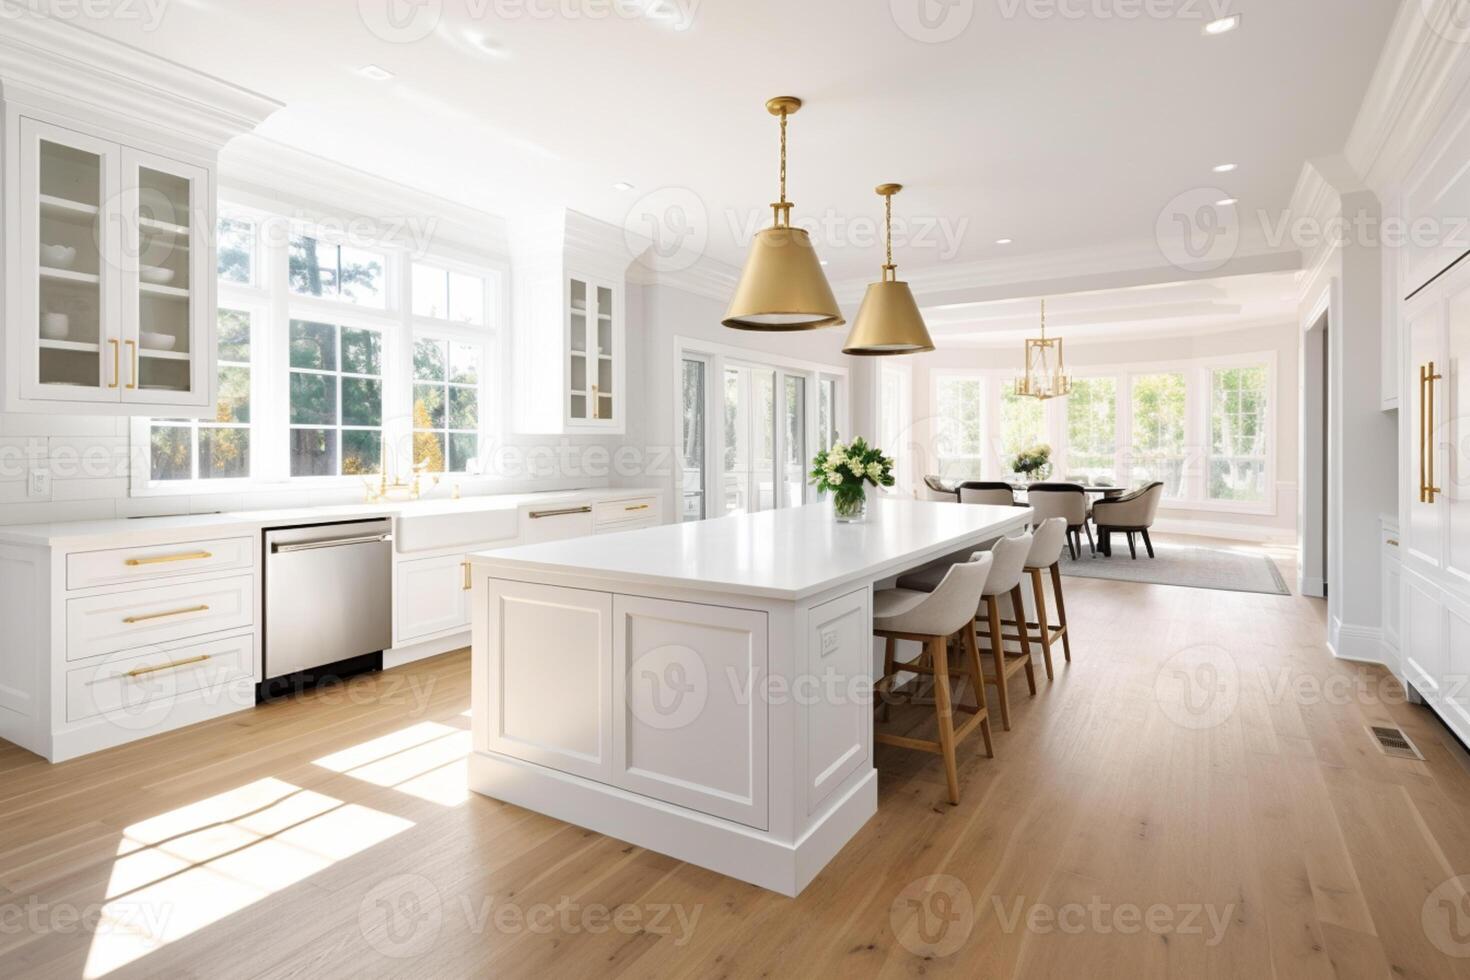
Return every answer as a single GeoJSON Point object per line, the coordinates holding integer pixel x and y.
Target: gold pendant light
{"type": "Point", "coordinates": [889, 321]}
{"type": "Point", "coordinates": [783, 287]}
{"type": "Point", "coordinates": [1046, 370]}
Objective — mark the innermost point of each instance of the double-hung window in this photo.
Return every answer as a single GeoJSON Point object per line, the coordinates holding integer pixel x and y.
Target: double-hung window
{"type": "Point", "coordinates": [959, 429]}
{"type": "Point", "coordinates": [1238, 425]}
{"type": "Point", "coordinates": [1160, 419]}
{"type": "Point", "coordinates": [217, 449]}
{"type": "Point", "coordinates": [336, 399]}
{"type": "Point", "coordinates": [446, 404]}
{"type": "Point", "coordinates": [1092, 430]}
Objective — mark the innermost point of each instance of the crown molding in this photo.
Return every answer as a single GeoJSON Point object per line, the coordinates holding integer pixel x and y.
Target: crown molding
{"type": "Point", "coordinates": [708, 277]}
{"type": "Point", "coordinates": [316, 187]}
{"type": "Point", "coordinates": [50, 62]}
{"type": "Point", "coordinates": [1418, 77]}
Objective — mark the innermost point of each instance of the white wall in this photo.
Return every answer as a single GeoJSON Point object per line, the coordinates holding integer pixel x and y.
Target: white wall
{"type": "Point", "coordinates": [1280, 339]}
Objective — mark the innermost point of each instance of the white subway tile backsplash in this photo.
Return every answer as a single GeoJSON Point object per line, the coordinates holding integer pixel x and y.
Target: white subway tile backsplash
{"type": "Point", "coordinates": [54, 513]}
{"type": "Point", "coordinates": [61, 425]}
{"type": "Point", "coordinates": [85, 489]}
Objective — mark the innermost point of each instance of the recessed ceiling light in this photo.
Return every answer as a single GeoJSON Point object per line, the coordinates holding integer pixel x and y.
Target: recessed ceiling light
{"type": "Point", "coordinates": [376, 72]}
{"type": "Point", "coordinates": [1222, 26]}
{"type": "Point", "coordinates": [1226, 168]}
{"type": "Point", "coordinates": [622, 185]}
{"type": "Point", "coordinates": [1227, 202]}
{"type": "Point", "coordinates": [1004, 241]}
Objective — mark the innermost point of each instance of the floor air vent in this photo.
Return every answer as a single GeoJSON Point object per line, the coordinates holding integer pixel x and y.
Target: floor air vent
{"type": "Point", "coordinates": [1394, 742]}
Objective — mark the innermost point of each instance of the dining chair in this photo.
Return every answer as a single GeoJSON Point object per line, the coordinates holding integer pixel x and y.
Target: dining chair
{"type": "Point", "coordinates": [935, 490]}
{"type": "Point", "coordinates": [1009, 560]}
{"type": "Point", "coordinates": [987, 492]}
{"type": "Point", "coordinates": [934, 618]}
{"type": "Point", "coordinates": [1133, 513]}
{"type": "Point", "coordinates": [1066, 500]}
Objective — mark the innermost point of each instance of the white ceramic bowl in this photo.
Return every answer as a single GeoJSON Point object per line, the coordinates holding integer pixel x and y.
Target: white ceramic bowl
{"type": "Point", "coordinates": [58, 256]}
{"type": "Point", "coordinates": [158, 341]}
{"type": "Point", "coordinates": [55, 326]}
{"type": "Point", "coordinates": [156, 275]}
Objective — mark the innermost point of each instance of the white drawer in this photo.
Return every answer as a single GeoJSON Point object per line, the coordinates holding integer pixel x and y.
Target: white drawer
{"type": "Point", "coordinates": [119, 566]}
{"type": "Point", "coordinates": [640, 509]}
{"type": "Point", "coordinates": [627, 526]}
{"type": "Point", "coordinates": [130, 620]}
{"type": "Point", "coordinates": [1391, 547]}
{"type": "Point", "coordinates": [119, 686]}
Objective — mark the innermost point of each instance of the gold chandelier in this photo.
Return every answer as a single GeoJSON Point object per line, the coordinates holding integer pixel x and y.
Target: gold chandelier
{"type": "Point", "coordinates": [1046, 375]}
{"type": "Point", "coordinates": [783, 287]}
{"type": "Point", "coordinates": [889, 321]}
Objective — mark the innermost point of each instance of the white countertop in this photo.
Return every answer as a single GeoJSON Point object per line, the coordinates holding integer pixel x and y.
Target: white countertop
{"type": "Point", "coordinates": [783, 554]}
{"type": "Point", "coordinates": [123, 531]}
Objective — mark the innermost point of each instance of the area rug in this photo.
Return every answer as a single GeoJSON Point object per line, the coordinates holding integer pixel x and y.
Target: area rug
{"type": "Point", "coordinates": [1184, 567]}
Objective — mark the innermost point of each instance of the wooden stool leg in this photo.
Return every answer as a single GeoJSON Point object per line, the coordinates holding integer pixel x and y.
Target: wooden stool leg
{"type": "Point", "coordinates": [885, 686]}
{"type": "Point", "coordinates": [1056, 588]}
{"type": "Point", "coordinates": [996, 651]}
{"type": "Point", "coordinates": [977, 678]}
{"type": "Point", "coordinates": [1041, 622]}
{"type": "Point", "coordinates": [1018, 605]}
{"type": "Point", "coordinates": [944, 711]}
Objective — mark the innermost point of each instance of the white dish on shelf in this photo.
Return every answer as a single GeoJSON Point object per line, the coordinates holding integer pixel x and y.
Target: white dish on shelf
{"type": "Point", "coordinates": [158, 341]}
{"type": "Point", "coordinates": [156, 275]}
{"type": "Point", "coordinates": [55, 326]}
{"type": "Point", "coordinates": [58, 256]}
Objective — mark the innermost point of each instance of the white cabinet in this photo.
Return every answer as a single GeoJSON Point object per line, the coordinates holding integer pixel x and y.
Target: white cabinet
{"type": "Point", "coordinates": [549, 692]}
{"type": "Point", "coordinates": [569, 334]}
{"type": "Point", "coordinates": [689, 714]}
{"type": "Point", "coordinates": [109, 274]}
{"type": "Point", "coordinates": [1392, 589]}
{"type": "Point", "coordinates": [430, 598]}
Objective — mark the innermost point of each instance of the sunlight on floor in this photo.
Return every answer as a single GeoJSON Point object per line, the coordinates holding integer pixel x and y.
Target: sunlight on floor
{"type": "Point", "coordinates": [189, 868]}
{"type": "Point", "coordinates": [424, 760]}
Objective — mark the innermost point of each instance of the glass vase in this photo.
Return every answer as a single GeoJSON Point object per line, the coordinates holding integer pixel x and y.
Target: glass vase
{"type": "Point", "coordinates": [850, 508]}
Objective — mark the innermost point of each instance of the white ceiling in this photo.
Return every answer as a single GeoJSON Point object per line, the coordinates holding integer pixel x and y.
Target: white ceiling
{"type": "Point", "coordinates": [1055, 131]}
{"type": "Point", "coordinates": [1169, 309]}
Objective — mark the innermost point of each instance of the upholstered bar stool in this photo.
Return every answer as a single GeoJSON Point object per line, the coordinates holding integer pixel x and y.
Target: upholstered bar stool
{"type": "Point", "coordinates": [1008, 562]}
{"type": "Point", "coordinates": [1047, 541]}
{"type": "Point", "coordinates": [933, 619]}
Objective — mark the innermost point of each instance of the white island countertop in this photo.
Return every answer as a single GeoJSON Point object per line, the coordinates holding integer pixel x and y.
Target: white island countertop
{"type": "Point", "coordinates": [788, 554]}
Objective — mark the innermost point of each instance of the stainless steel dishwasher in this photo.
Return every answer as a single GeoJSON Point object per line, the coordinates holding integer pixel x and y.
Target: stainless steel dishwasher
{"type": "Point", "coordinates": [328, 594]}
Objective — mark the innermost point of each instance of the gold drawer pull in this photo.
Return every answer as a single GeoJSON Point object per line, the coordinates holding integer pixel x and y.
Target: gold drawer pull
{"type": "Point", "coordinates": [468, 585]}
{"type": "Point", "coordinates": [639, 507]}
{"type": "Point", "coordinates": [537, 515]}
{"type": "Point", "coordinates": [1393, 542]}
{"type": "Point", "coordinates": [165, 559]}
{"type": "Point", "coordinates": [140, 671]}
{"type": "Point", "coordinates": [165, 615]}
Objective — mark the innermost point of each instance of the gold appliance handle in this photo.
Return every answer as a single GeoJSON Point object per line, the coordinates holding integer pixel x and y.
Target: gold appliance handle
{"type": "Point", "coordinates": [133, 346]}
{"type": "Point", "coordinates": [131, 620]}
{"type": "Point", "coordinates": [141, 671]}
{"type": "Point", "coordinates": [116, 362]}
{"type": "Point", "coordinates": [165, 559]}
{"type": "Point", "coordinates": [1423, 441]}
{"type": "Point", "coordinates": [1430, 488]}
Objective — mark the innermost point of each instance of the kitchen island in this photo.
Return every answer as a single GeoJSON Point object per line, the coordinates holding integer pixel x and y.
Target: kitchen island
{"type": "Point", "coordinates": [704, 689]}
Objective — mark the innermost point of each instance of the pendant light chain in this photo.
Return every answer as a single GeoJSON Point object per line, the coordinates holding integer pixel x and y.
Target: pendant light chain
{"type": "Point", "coordinates": [783, 156]}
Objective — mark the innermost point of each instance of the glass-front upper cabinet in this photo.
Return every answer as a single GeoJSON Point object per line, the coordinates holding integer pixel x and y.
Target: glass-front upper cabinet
{"type": "Point", "coordinates": [594, 372]}
{"type": "Point", "coordinates": [112, 285]}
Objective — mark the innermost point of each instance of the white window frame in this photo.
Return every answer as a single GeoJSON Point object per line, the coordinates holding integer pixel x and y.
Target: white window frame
{"type": "Point", "coordinates": [717, 357]}
{"type": "Point", "coordinates": [384, 361]}
{"type": "Point", "coordinates": [470, 336]}
{"type": "Point", "coordinates": [987, 381]}
{"type": "Point", "coordinates": [1268, 426]}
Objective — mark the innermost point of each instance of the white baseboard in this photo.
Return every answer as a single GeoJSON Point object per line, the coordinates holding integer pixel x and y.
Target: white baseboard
{"type": "Point", "coordinates": [1226, 530]}
{"type": "Point", "coordinates": [1360, 644]}
{"type": "Point", "coordinates": [399, 656]}
{"type": "Point", "coordinates": [1313, 587]}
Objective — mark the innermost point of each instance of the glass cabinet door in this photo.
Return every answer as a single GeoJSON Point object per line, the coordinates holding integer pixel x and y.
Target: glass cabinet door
{"type": "Point", "coordinates": [583, 359]}
{"type": "Point", "coordinates": [602, 388]}
{"type": "Point", "coordinates": [591, 376]}
{"type": "Point", "coordinates": [165, 242]}
{"type": "Point", "coordinates": [67, 193]}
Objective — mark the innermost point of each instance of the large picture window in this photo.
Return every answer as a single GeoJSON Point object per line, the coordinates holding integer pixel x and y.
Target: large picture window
{"type": "Point", "coordinates": [1022, 425]}
{"type": "Point", "coordinates": [1238, 421]}
{"type": "Point", "coordinates": [1159, 419]}
{"type": "Point", "coordinates": [336, 399]}
{"type": "Point", "coordinates": [960, 428]}
{"type": "Point", "coordinates": [1092, 431]}
{"type": "Point", "coordinates": [446, 404]}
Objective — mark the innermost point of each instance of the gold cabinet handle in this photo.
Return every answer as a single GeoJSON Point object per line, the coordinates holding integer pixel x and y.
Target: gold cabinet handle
{"type": "Point", "coordinates": [131, 620]}
{"type": "Point", "coordinates": [133, 346]}
{"type": "Point", "coordinates": [1423, 441]}
{"type": "Point", "coordinates": [116, 362]}
{"type": "Point", "coordinates": [596, 403]}
{"type": "Point", "coordinates": [537, 515]}
{"type": "Point", "coordinates": [637, 507]}
{"type": "Point", "coordinates": [1429, 487]}
{"type": "Point", "coordinates": [165, 559]}
{"type": "Point", "coordinates": [140, 671]}
{"type": "Point", "coordinates": [1393, 542]}
{"type": "Point", "coordinates": [468, 585]}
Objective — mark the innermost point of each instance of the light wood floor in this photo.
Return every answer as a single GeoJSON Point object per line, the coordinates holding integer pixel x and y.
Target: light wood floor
{"type": "Point", "coordinates": [1194, 796]}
